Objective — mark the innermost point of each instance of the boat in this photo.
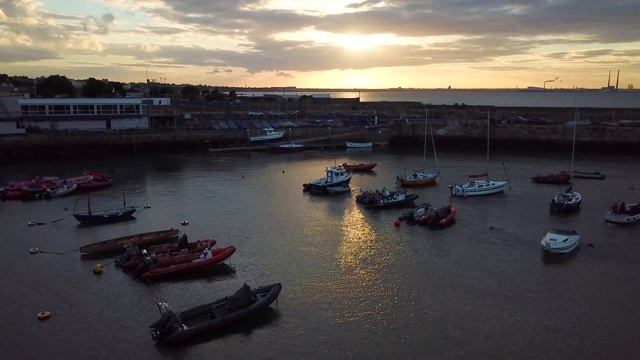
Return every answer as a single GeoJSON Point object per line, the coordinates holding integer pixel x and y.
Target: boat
{"type": "Point", "coordinates": [369, 197]}
{"type": "Point", "coordinates": [416, 213]}
{"type": "Point", "coordinates": [288, 147]}
{"type": "Point", "coordinates": [175, 327]}
{"type": "Point", "coordinates": [152, 268]}
{"type": "Point", "coordinates": [223, 125]}
{"type": "Point", "coordinates": [168, 254]}
{"type": "Point", "coordinates": [336, 176]}
{"type": "Point", "coordinates": [361, 145]}
{"type": "Point", "coordinates": [269, 135]}
{"type": "Point", "coordinates": [480, 187]}
{"type": "Point", "coordinates": [140, 240]}
{"type": "Point", "coordinates": [59, 191]}
{"type": "Point", "coordinates": [105, 216]}
{"type": "Point", "coordinates": [360, 167]}
{"type": "Point", "coordinates": [558, 241]}
{"type": "Point", "coordinates": [419, 177]}
{"type": "Point", "coordinates": [595, 175]}
{"type": "Point", "coordinates": [97, 181]}
{"type": "Point", "coordinates": [399, 198]}
{"type": "Point", "coordinates": [623, 214]}
{"type": "Point", "coordinates": [557, 178]}
{"type": "Point", "coordinates": [340, 189]}
{"type": "Point", "coordinates": [232, 125]}
{"type": "Point", "coordinates": [443, 216]}
{"type": "Point", "coordinates": [569, 200]}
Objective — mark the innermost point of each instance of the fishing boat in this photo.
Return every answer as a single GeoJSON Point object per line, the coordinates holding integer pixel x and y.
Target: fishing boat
{"type": "Point", "coordinates": [569, 200]}
{"type": "Point", "coordinates": [140, 240]}
{"type": "Point", "coordinates": [269, 135]}
{"type": "Point", "coordinates": [558, 241]}
{"type": "Point", "coordinates": [105, 216]}
{"type": "Point", "coordinates": [480, 187]}
{"type": "Point", "coordinates": [175, 327]}
{"type": "Point", "coordinates": [361, 167]}
{"type": "Point", "coordinates": [419, 177]}
{"type": "Point", "coordinates": [623, 214]}
{"type": "Point", "coordinates": [154, 268]}
{"type": "Point", "coordinates": [336, 176]}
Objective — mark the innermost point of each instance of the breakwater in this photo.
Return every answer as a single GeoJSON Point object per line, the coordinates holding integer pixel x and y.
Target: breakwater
{"type": "Point", "coordinates": [447, 134]}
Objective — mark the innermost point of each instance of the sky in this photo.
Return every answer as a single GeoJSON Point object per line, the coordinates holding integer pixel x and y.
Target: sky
{"type": "Point", "coordinates": [350, 44]}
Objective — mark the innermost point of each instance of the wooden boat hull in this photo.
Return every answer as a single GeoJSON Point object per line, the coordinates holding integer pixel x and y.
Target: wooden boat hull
{"type": "Point", "coordinates": [118, 244]}
{"type": "Point", "coordinates": [174, 328]}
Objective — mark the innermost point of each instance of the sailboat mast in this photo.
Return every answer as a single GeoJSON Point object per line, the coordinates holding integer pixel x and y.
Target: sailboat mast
{"type": "Point", "coordinates": [426, 121]}
{"type": "Point", "coordinates": [573, 148]}
{"type": "Point", "coordinates": [435, 155]}
{"type": "Point", "coordinates": [488, 131]}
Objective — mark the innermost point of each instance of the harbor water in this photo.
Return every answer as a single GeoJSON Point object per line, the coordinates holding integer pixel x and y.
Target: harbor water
{"type": "Point", "coordinates": [354, 285]}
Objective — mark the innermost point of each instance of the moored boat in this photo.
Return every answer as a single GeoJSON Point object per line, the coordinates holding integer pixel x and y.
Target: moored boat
{"type": "Point", "coordinates": [153, 269]}
{"type": "Point", "coordinates": [336, 176]}
{"type": "Point", "coordinates": [567, 201]}
{"type": "Point", "coordinates": [360, 167]}
{"type": "Point", "coordinates": [558, 241]}
{"type": "Point", "coordinates": [595, 175]}
{"type": "Point", "coordinates": [287, 148]}
{"type": "Point", "coordinates": [416, 213]}
{"type": "Point", "coordinates": [269, 135]}
{"type": "Point", "coordinates": [623, 214]}
{"type": "Point", "coordinates": [557, 178]}
{"type": "Point", "coordinates": [399, 198]}
{"type": "Point", "coordinates": [175, 327]}
{"type": "Point", "coordinates": [478, 187]}
{"type": "Point", "coordinates": [119, 243]}
{"type": "Point", "coordinates": [340, 189]}
{"type": "Point", "coordinates": [59, 191]}
{"type": "Point", "coordinates": [359, 145]}
{"type": "Point", "coordinates": [443, 216]}
{"type": "Point", "coordinates": [165, 255]}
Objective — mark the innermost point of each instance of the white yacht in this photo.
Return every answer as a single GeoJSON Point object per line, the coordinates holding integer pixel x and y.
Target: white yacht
{"type": "Point", "coordinates": [560, 241]}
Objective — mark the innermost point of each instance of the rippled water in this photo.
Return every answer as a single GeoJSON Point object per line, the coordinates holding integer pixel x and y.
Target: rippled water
{"type": "Point", "coordinates": [354, 285]}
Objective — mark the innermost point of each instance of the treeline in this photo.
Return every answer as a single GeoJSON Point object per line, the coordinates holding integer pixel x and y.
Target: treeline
{"type": "Point", "coordinates": [61, 86]}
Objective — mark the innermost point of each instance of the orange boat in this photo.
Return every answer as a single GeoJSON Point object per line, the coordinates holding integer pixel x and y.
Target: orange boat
{"type": "Point", "coordinates": [359, 167]}
{"type": "Point", "coordinates": [165, 254]}
{"type": "Point", "coordinates": [443, 216]}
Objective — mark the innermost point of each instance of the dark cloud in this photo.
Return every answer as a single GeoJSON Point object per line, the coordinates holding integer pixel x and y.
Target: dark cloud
{"type": "Point", "coordinates": [98, 25]}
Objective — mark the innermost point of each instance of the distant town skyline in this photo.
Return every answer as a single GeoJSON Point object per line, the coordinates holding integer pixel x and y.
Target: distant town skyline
{"type": "Point", "coordinates": [371, 44]}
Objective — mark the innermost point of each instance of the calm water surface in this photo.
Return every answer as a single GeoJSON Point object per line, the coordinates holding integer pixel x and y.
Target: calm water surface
{"type": "Point", "coordinates": [354, 285]}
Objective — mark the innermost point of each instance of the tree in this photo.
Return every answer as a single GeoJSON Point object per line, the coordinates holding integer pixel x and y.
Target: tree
{"type": "Point", "coordinates": [190, 92]}
{"type": "Point", "coordinates": [55, 85]}
{"type": "Point", "coordinates": [94, 88]}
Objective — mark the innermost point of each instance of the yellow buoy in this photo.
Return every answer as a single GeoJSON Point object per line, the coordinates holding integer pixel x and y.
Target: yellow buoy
{"type": "Point", "coordinates": [98, 269]}
{"type": "Point", "coordinates": [44, 315]}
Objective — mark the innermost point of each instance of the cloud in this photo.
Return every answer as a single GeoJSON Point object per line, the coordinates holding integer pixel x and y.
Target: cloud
{"type": "Point", "coordinates": [98, 25]}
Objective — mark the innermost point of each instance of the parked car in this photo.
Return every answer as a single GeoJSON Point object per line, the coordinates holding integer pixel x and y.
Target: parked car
{"type": "Point", "coordinates": [517, 120]}
{"type": "Point", "coordinates": [277, 114]}
{"type": "Point", "coordinates": [255, 113]}
{"type": "Point", "coordinates": [538, 121]}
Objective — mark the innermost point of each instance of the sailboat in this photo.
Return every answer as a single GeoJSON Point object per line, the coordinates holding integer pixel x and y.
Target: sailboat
{"type": "Point", "coordinates": [105, 216]}
{"type": "Point", "coordinates": [361, 145]}
{"type": "Point", "coordinates": [480, 187]}
{"type": "Point", "coordinates": [288, 147]}
{"type": "Point", "coordinates": [569, 200]}
{"type": "Point", "coordinates": [419, 177]}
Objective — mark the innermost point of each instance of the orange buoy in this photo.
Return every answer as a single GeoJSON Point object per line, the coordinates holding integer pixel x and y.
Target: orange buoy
{"type": "Point", "coordinates": [396, 223]}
